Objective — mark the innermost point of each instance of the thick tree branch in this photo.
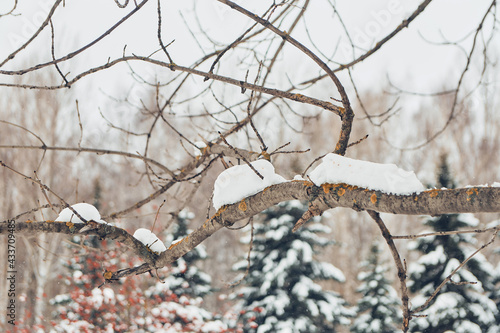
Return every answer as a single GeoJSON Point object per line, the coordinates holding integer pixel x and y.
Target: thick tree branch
{"type": "Point", "coordinates": [432, 202]}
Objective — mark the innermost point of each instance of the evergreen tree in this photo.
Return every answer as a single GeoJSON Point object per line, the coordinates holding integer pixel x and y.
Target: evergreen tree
{"type": "Point", "coordinates": [184, 278]}
{"type": "Point", "coordinates": [173, 306]}
{"type": "Point", "coordinates": [462, 305]}
{"type": "Point", "coordinates": [495, 294]}
{"type": "Point", "coordinates": [87, 308]}
{"type": "Point", "coordinates": [378, 308]}
{"type": "Point", "coordinates": [280, 293]}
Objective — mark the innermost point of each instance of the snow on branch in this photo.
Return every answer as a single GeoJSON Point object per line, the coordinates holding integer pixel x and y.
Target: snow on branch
{"type": "Point", "coordinates": [240, 181]}
{"type": "Point", "coordinates": [387, 178]}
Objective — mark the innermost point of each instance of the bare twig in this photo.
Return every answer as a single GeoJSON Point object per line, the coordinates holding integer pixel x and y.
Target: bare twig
{"type": "Point", "coordinates": [247, 270]}
{"type": "Point", "coordinates": [164, 48]}
{"type": "Point", "coordinates": [79, 123]}
{"type": "Point", "coordinates": [357, 142]}
{"type": "Point", "coordinates": [11, 11]}
{"type": "Point", "coordinates": [157, 215]}
{"type": "Point", "coordinates": [242, 157]}
{"type": "Point", "coordinates": [44, 187]}
{"type": "Point", "coordinates": [462, 264]}
{"type": "Point", "coordinates": [42, 26]}
{"type": "Point", "coordinates": [69, 55]}
{"type": "Point", "coordinates": [445, 233]}
{"type": "Point", "coordinates": [52, 51]}
{"type": "Point", "coordinates": [399, 266]}
{"type": "Point", "coordinates": [346, 114]}
{"type": "Point", "coordinates": [91, 150]}
{"type": "Point", "coordinates": [312, 211]}
{"type": "Point", "coordinates": [120, 5]}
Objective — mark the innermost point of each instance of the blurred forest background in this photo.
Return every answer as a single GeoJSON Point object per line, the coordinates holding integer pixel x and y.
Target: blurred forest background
{"type": "Point", "coordinates": [118, 110]}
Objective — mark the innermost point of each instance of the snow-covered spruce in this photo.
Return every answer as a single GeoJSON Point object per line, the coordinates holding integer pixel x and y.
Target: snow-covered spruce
{"type": "Point", "coordinates": [184, 278]}
{"type": "Point", "coordinates": [85, 210]}
{"type": "Point", "coordinates": [378, 309]}
{"type": "Point", "coordinates": [387, 178]}
{"type": "Point", "coordinates": [280, 293]}
{"type": "Point", "coordinates": [460, 306]}
{"type": "Point", "coordinates": [240, 181]}
{"type": "Point", "coordinates": [146, 237]}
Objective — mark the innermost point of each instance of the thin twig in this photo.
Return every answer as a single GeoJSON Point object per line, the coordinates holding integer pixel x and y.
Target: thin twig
{"type": "Point", "coordinates": [37, 181]}
{"type": "Point", "coordinates": [445, 233]}
{"type": "Point", "coordinates": [90, 150]}
{"type": "Point", "coordinates": [120, 5]}
{"type": "Point", "coordinates": [157, 214]}
{"type": "Point", "coordinates": [234, 284]}
{"type": "Point", "coordinates": [79, 123]}
{"type": "Point", "coordinates": [399, 265]}
{"type": "Point", "coordinates": [164, 48]}
{"type": "Point", "coordinates": [242, 157]}
{"type": "Point", "coordinates": [263, 148]}
{"type": "Point", "coordinates": [357, 142]}
{"type": "Point", "coordinates": [42, 26]}
{"type": "Point", "coordinates": [52, 51]}
{"type": "Point", "coordinates": [462, 264]}
{"type": "Point", "coordinates": [25, 129]}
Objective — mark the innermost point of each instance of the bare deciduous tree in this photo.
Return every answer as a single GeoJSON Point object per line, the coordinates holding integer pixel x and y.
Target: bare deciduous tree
{"type": "Point", "coordinates": [260, 87]}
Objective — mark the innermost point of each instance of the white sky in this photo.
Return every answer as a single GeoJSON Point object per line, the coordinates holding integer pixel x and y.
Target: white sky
{"type": "Point", "coordinates": [407, 60]}
{"type": "Point", "coordinates": [81, 21]}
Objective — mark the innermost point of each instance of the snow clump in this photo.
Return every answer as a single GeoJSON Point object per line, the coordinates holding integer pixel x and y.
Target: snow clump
{"type": "Point", "coordinates": [240, 181]}
{"type": "Point", "coordinates": [86, 211]}
{"type": "Point", "coordinates": [387, 178]}
{"type": "Point", "coordinates": [149, 239]}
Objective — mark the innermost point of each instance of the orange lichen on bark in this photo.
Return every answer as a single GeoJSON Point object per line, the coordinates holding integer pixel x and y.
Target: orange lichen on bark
{"type": "Point", "coordinates": [242, 206]}
{"type": "Point", "coordinates": [342, 188]}
{"type": "Point", "coordinates": [433, 193]}
{"type": "Point", "coordinates": [177, 243]}
{"type": "Point", "coordinates": [220, 211]}
{"type": "Point", "coordinates": [266, 155]}
{"type": "Point", "coordinates": [471, 193]}
{"type": "Point", "coordinates": [326, 187]}
{"type": "Point", "coordinates": [306, 183]}
{"type": "Point", "coordinates": [373, 198]}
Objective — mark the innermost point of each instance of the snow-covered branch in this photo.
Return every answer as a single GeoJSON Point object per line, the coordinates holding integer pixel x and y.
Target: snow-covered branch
{"type": "Point", "coordinates": [431, 202]}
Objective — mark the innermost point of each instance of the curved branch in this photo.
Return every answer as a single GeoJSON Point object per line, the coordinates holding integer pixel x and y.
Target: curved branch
{"type": "Point", "coordinates": [401, 26]}
{"type": "Point", "coordinates": [274, 92]}
{"type": "Point", "coordinates": [432, 202]}
{"type": "Point", "coordinates": [94, 150]}
{"type": "Point", "coordinates": [346, 113]}
{"type": "Point", "coordinates": [44, 24]}
{"type": "Point", "coordinates": [399, 265]}
{"type": "Point", "coordinates": [69, 55]}
{"type": "Point", "coordinates": [11, 11]}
